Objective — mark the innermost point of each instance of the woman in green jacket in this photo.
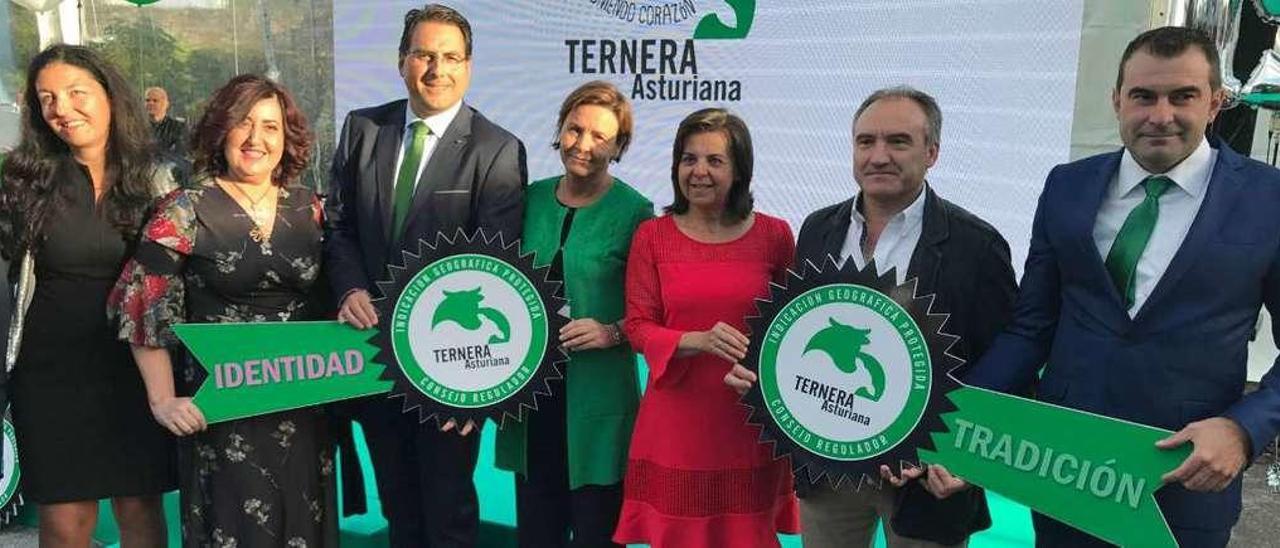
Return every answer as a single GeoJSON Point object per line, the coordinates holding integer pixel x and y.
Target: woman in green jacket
{"type": "Point", "coordinates": [570, 454]}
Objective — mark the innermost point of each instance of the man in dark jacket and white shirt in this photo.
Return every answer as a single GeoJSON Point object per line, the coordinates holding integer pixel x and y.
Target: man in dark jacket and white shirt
{"type": "Point", "coordinates": [899, 222]}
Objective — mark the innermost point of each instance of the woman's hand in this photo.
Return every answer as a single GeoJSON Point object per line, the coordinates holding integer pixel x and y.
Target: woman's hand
{"type": "Point", "coordinates": [740, 379]}
{"type": "Point", "coordinates": [588, 334]}
{"type": "Point", "coordinates": [723, 340]}
{"type": "Point", "coordinates": [179, 415]}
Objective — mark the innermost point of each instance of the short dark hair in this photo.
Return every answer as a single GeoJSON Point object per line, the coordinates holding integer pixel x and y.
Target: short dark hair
{"type": "Point", "coordinates": [603, 94]}
{"type": "Point", "coordinates": [228, 106]}
{"type": "Point", "coordinates": [437, 13]}
{"type": "Point", "coordinates": [709, 120]}
{"type": "Point", "coordinates": [932, 113]}
{"type": "Point", "coordinates": [1170, 42]}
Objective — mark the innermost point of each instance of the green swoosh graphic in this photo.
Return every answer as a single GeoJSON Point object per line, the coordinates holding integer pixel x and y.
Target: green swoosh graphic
{"type": "Point", "coordinates": [712, 28]}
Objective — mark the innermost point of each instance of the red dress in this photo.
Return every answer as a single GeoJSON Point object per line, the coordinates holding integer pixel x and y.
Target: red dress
{"type": "Point", "coordinates": [696, 474]}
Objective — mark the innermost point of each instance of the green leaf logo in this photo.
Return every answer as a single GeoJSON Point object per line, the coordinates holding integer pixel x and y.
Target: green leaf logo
{"type": "Point", "coordinates": [843, 345]}
{"type": "Point", "coordinates": [712, 28]}
{"type": "Point", "coordinates": [463, 308]}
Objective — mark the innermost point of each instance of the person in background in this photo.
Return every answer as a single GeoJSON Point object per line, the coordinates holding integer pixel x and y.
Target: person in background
{"type": "Point", "coordinates": [570, 454]}
{"type": "Point", "coordinates": [170, 133]}
{"type": "Point", "coordinates": [696, 474]}
{"type": "Point", "coordinates": [74, 194]}
{"type": "Point", "coordinates": [241, 244]}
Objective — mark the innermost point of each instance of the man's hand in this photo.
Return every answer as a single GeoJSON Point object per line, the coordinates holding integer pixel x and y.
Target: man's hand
{"type": "Point", "coordinates": [586, 334]}
{"type": "Point", "coordinates": [357, 309]}
{"type": "Point", "coordinates": [1220, 451]}
{"type": "Point", "coordinates": [740, 379]}
{"type": "Point", "coordinates": [937, 480]}
{"type": "Point", "coordinates": [466, 428]}
{"type": "Point", "coordinates": [179, 415]}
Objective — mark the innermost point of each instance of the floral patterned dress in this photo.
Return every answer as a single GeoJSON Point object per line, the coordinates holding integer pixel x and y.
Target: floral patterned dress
{"type": "Point", "coordinates": [261, 481]}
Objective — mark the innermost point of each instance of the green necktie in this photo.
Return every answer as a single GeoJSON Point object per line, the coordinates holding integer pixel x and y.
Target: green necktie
{"type": "Point", "coordinates": [405, 179]}
{"type": "Point", "coordinates": [1122, 261]}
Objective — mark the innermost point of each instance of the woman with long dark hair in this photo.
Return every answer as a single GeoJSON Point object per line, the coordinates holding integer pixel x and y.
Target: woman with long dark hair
{"type": "Point", "coordinates": [241, 244]}
{"type": "Point", "coordinates": [74, 194]}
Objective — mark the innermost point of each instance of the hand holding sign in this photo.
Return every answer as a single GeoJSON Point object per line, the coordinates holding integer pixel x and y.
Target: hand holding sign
{"type": "Point", "coordinates": [937, 480]}
{"type": "Point", "coordinates": [854, 380]}
{"type": "Point", "coordinates": [179, 415]}
{"type": "Point", "coordinates": [1220, 453]}
{"type": "Point", "coordinates": [357, 310]}
{"type": "Point", "coordinates": [464, 337]}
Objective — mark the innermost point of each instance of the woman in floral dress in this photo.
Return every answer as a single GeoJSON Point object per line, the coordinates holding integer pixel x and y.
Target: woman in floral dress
{"type": "Point", "coordinates": [240, 245]}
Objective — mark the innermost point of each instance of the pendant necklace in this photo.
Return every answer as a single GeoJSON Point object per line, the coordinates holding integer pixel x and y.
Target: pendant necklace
{"type": "Point", "coordinates": [257, 234]}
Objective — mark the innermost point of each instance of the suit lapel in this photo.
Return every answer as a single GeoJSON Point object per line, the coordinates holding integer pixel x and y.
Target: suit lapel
{"type": "Point", "coordinates": [1219, 195]}
{"type": "Point", "coordinates": [926, 259]}
{"type": "Point", "coordinates": [1086, 219]}
{"type": "Point", "coordinates": [837, 231]}
{"type": "Point", "coordinates": [440, 172]}
{"type": "Point", "coordinates": [385, 149]}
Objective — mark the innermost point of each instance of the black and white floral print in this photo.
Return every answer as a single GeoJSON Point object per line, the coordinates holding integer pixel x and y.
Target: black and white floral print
{"type": "Point", "coordinates": [264, 481]}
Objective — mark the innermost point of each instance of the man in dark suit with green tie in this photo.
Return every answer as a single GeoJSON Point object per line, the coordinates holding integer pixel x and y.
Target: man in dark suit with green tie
{"type": "Point", "coordinates": [404, 171]}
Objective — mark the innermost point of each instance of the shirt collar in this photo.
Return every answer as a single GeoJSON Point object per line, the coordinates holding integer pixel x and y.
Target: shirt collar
{"type": "Point", "coordinates": [1191, 174]}
{"type": "Point", "coordinates": [437, 122]}
{"type": "Point", "coordinates": [911, 214]}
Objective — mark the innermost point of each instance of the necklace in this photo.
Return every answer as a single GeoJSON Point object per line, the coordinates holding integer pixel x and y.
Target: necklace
{"type": "Point", "coordinates": [256, 217]}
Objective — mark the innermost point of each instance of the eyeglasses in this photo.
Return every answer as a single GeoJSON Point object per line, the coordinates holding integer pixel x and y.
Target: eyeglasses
{"type": "Point", "coordinates": [446, 61]}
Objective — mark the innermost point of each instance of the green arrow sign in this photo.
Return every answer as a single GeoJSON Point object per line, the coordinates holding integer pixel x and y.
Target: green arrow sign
{"type": "Point", "coordinates": [259, 368]}
{"type": "Point", "coordinates": [854, 375]}
{"type": "Point", "coordinates": [1094, 472]}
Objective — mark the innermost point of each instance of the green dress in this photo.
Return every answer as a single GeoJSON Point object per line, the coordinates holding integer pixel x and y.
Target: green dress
{"type": "Point", "coordinates": [602, 391]}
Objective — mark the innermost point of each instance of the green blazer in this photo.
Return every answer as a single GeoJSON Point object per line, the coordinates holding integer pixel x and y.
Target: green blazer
{"type": "Point", "coordinates": [602, 392]}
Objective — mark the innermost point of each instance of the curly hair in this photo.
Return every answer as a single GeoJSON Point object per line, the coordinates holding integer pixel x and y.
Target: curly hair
{"type": "Point", "coordinates": [231, 104]}
{"type": "Point", "coordinates": [28, 192]}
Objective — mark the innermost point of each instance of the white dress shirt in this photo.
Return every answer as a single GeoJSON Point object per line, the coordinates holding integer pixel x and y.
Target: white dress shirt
{"type": "Point", "coordinates": [1178, 207]}
{"type": "Point", "coordinates": [437, 123]}
{"type": "Point", "coordinates": [897, 241]}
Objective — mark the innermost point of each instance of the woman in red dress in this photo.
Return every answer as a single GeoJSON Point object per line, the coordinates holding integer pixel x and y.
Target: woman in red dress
{"type": "Point", "coordinates": [696, 475]}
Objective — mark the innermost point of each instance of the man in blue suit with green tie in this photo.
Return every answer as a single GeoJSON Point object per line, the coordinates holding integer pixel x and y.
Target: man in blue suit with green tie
{"type": "Point", "coordinates": [1145, 275]}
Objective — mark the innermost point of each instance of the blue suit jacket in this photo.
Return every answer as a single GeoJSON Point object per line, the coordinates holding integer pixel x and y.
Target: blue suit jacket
{"type": "Point", "coordinates": [1182, 358]}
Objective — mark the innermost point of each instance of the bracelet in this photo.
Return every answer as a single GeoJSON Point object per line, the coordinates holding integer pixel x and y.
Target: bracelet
{"type": "Point", "coordinates": [615, 334]}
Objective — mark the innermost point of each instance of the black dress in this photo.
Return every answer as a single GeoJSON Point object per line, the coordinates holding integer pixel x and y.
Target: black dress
{"type": "Point", "coordinates": [84, 429]}
{"type": "Point", "coordinates": [260, 481]}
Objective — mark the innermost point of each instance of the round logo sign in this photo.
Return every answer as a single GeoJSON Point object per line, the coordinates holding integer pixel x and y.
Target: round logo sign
{"type": "Point", "coordinates": [10, 497]}
{"type": "Point", "coordinates": [853, 371]}
{"type": "Point", "coordinates": [469, 330]}
{"type": "Point", "coordinates": [845, 372]}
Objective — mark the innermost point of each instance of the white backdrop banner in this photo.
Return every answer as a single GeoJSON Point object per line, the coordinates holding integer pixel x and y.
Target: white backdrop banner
{"type": "Point", "coordinates": [1003, 71]}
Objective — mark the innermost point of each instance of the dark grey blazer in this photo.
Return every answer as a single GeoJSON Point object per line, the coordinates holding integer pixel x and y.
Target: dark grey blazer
{"type": "Point", "coordinates": [475, 179]}
{"type": "Point", "coordinates": [965, 262]}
